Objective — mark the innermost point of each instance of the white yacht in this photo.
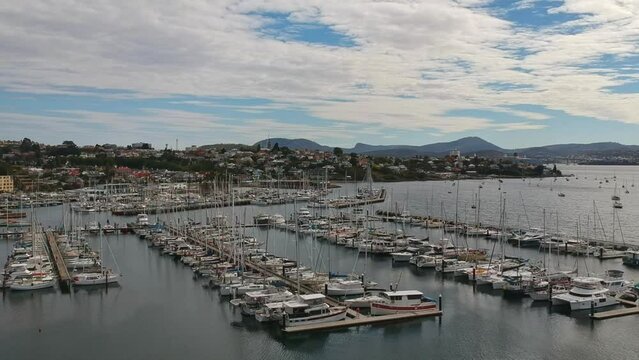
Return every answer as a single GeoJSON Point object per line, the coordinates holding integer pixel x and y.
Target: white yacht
{"type": "Point", "coordinates": [95, 278]}
{"type": "Point", "coordinates": [366, 300]}
{"type": "Point", "coordinates": [343, 287]}
{"type": "Point", "coordinates": [253, 301]}
{"type": "Point", "coordinates": [395, 302]}
{"type": "Point", "coordinates": [542, 293]}
{"type": "Point", "coordinates": [311, 309]}
{"type": "Point", "coordinates": [402, 256]}
{"type": "Point", "coordinates": [586, 292]}
{"type": "Point", "coordinates": [93, 227]}
{"type": "Point", "coordinates": [32, 284]}
{"type": "Point", "coordinates": [426, 261]}
{"type": "Point", "coordinates": [270, 312]}
{"type": "Point", "coordinates": [142, 220]}
{"type": "Point", "coordinates": [452, 265]}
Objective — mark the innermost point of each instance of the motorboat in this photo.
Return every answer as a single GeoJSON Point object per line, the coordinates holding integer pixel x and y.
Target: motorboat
{"type": "Point", "coordinates": [344, 287]}
{"type": "Point", "coordinates": [426, 261]}
{"type": "Point", "coordinates": [253, 301]}
{"type": "Point", "coordinates": [364, 302]}
{"type": "Point", "coordinates": [452, 265]}
{"type": "Point", "coordinates": [32, 284]}
{"type": "Point", "coordinates": [402, 256]}
{"type": "Point", "coordinates": [311, 309]}
{"type": "Point", "coordinates": [142, 220]}
{"type": "Point", "coordinates": [93, 227]}
{"type": "Point", "coordinates": [95, 278]}
{"type": "Point", "coordinates": [631, 258]}
{"type": "Point", "coordinates": [395, 302]}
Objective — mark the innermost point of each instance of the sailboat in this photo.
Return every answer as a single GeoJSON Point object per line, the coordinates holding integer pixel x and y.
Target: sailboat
{"type": "Point", "coordinates": [102, 277]}
{"type": "Point", "coordinates": [615, 196]}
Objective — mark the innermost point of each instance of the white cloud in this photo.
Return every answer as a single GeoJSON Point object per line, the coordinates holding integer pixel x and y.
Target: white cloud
{"type": "Point", "coordinates": [418, 59]}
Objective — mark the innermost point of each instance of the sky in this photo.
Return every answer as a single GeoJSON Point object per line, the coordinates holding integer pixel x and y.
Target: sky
{"type": "Point", "coordinates": [517, 73]}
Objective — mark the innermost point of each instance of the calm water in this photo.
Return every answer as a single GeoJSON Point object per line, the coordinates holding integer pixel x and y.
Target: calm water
{"type": "Point", "coordinates": [160, 312]}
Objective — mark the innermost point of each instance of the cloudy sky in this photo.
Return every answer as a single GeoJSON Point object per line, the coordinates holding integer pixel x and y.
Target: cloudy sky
{"type": "Point", "coordinates": [517, 73]}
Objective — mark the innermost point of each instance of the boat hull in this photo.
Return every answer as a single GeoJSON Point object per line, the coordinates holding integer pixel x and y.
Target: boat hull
{"type": "Point", "coordinates": [386, 309]}
{"type": "Point", "coordinates": [335, 315]}
{"type": "Point", "coordinates": [32, 286]}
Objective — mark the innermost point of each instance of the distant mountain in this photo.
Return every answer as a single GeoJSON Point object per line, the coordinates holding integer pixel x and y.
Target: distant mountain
{"type": "Point", "coordinates": [465, 145]}
{"type": "Point", "coordinates": [294, 144]}
{"type": "Point", "coordinates": [562, 150]}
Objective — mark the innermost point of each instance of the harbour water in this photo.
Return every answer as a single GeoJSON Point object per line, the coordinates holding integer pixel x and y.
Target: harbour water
{"type": "Point", "coordinates": [159, 311]}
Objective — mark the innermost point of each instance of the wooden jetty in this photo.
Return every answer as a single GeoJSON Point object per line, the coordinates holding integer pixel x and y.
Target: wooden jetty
{"type": "Point", "coordinates": [632, 308]}
{"type": "Point", "coordinates": [615, 313]}
{"type": "Point", "coordinates": [362, 320]}
{"type": "Point", "coordinates": [63, 273]}
{"type": "Point", "coordinates": [177, 208]}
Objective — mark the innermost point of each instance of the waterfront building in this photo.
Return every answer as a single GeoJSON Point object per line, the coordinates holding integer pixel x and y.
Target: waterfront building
{"type": "Point", "coordinates": [6, 184]}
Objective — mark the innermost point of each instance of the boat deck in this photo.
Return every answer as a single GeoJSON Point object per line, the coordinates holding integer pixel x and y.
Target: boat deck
{"type": "Point", "coordinates": [362, 320]}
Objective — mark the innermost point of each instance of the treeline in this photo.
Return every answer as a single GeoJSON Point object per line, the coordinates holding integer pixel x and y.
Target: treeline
{"type": "Point", "coordinates": [162, 163]}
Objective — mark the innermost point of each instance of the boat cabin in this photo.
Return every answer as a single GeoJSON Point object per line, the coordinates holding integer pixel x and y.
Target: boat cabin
{"type": "Point", "coordinates": [403, 298]}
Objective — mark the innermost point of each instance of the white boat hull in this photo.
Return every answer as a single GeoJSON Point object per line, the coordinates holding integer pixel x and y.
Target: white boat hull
{"type": "Point", "coordinates": [335, 315]}
{"type": "Point", "coordinates": [102, 280]}
{"type": "Point", "coordinates": [584, 304]}
{"type": "Point", "coordinates": [32, 285]}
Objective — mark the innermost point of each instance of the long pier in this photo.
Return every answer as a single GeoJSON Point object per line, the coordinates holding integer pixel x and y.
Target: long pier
{"type": "Point", "coordinates": [60, 265]}
{"type": "Point", "coordinates": [183, 207]}
{"type": "Point", "coordinates": [253, 266]}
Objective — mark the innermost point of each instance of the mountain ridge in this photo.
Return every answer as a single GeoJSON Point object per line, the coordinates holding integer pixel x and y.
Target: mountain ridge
{"type": "Point", "coordinates": [470, 144]}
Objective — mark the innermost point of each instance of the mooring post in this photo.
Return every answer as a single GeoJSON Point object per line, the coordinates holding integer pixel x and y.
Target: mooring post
{"type": "Point", "coordinates": [440, 303]}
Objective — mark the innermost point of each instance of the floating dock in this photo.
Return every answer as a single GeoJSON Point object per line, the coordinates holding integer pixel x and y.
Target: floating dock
{"type": "Point", "coordinates": [361, 320]}
{"type": "Point", "coordinates": [615, 313]}
{"type": "Point", "coordinates": [631, 309]}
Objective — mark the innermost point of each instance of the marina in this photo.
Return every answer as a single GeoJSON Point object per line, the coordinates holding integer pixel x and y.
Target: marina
{"type": "Point", "coordinates": [280, 240]}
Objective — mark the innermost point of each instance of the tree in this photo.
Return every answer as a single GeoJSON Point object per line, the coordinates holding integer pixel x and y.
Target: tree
{"type": "Point", "coordinates": [26, 145]}
{"type": "Point", "coordinates": [338, 151]}
{"type": "Point", "coordinates": [276, 147]}
{"type": "Point", "coordinates": [258, 147]}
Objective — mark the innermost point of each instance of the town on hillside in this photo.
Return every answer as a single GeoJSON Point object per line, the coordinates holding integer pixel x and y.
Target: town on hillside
{"type": "Point", "coordinates": [31, 166]}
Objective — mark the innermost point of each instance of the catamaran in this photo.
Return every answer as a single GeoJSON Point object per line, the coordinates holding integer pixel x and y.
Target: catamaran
{"type": "Point", "coordinates": [585, 293]}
